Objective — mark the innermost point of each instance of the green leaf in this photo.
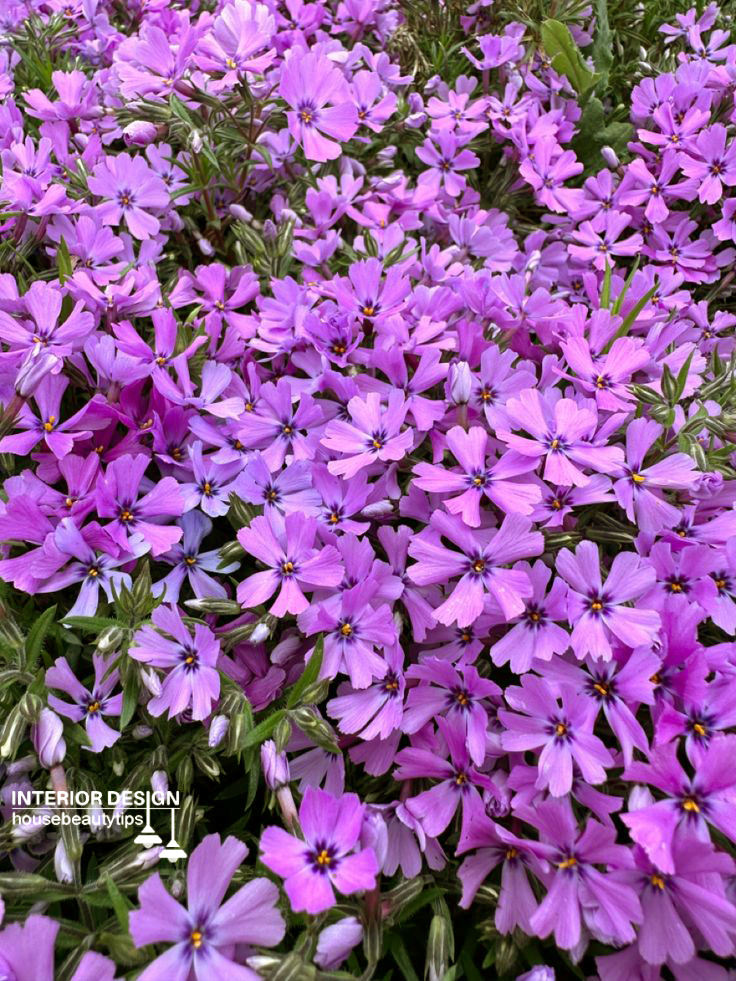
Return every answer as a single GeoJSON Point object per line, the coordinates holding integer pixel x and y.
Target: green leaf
{"type": "Point", "coordinates": [596, 131]}
{"type": "Point", "coordinates": [37, 635]}
{"type": "Point", "coordinates": [309, 675]}
{"type": "Point", "coordinates": [91, 624]}
{"type": "Point", "coordinates": [401, 955]}
{"type": "Point", "coordinates": [63, 261]}
{"type": "Point", "coordinates": [263, 730]}
{"type": "Point", "coordinates": [565, 55]}
{"type": "Point", "coordinates": [602, 48]}
{"type": "Point", "coordinates": [630, 317]}
{"type": "Point", "coordinates": [119, 903]}
{"type": "Point", "coordinates": [606, 288]}
{"type": "Point", "coordinates": [130, 699]}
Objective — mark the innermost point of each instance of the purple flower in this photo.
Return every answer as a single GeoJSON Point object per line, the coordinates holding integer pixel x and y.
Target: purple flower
{"type": "Point", "coordinates": [460, 782]}
{"type": "Point", "coordinates": [205, 935]}
{"type": "Point", "coordinates": [691, 803]}
{"type": "Point", "coordinates": [191, 564]}
{"type": "Point", "coordinates": [286, 546]}
{"type": "Point", "coordinates": [88, 707]}
{"type": "Point", "coordinates": [117, 498]}
{"type": "Point", "coordinates": [191, 681]}
{"type": "Point", "coordinates": [354, 622]}
{"type": "Point", "coordinates": [562, 433]}
{"type": "Point", "coordinates": [597, 611]}
{"type": "Point", "coordinates": [535, 635]}
{"type": "Point", "coordinates": [326, 859]}
{"type": "Point", "coordinates": [578, 891]}
{"type": "Point", "coordinates": [320, 102]}
{"type": "Point", "coordinates": [710, 162]}
{"type": "Point", "coordinates": [460, 695]}
{"type": "Point", "coordinates": [132, 192]}
{"type": "Point", "coordinates": [640, 491]}
{"type": "Point", "coordinates": [565, 733]}
{"type": "Point", "coordinates": [445, 161]}
{"type": "Point", "coordinates": [478, 479]}
{"type": "Point", "coordinates": [477, 564]}
{"type": "Point", "coordinates": [374, 434]}
{"type": "Point", "coordinates": [27, 954]}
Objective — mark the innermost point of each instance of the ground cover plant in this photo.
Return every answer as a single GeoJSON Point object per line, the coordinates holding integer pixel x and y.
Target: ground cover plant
{"type": "Point", "coordinates": [367, 528]}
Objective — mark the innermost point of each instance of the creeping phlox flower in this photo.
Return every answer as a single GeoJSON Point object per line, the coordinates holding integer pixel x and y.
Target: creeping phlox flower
{"type": "Point", "coordinates": [326, 859]}
{"type": "Point", "coordinates": [206, 936]}
{"type": "Point", "coordinates": [384, 418]}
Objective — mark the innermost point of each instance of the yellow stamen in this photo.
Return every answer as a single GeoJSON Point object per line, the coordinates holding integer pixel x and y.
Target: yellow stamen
{"type": "Point", "coordinates": [49, 424]}
{"type": "Point", "coordinates": [560, 729]}
{"type": "Point", "coordinates": [324, 857]}
{"type": "Point", "coordinates": [657, 881]}
{"type": "Point", "coordinates": [569, 863]}
{"type": "Point", "coordinates": [637, 478]}
{"type": "Point", "coordinates": [689, 804]}
{"type": "Point", "coordinates": [346, 630]}
{"type": "Point", "coordinates": [93, 707]}
{"type": "Point", "coordinates": [196, 939]}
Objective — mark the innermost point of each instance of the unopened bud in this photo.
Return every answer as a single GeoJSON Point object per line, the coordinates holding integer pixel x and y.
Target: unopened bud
{"type": "Point", "coordinates": [313, 725]}
{"type": "Point", "coordinates": [461, 382]}
{"type": "Point", "coordinates": [140, 133]}
{"type": "Point", "coordinates": [611, 157]}
{"type": "Point", "coordinates": [275, 765]}
{"type": "Point", "coordinates": [30, 707]}
{"type": "Point", "coordinates": [224, 607]}
{"type": "Point", "coordinates": [218, 730]}
{"type": "Point", "coordinates": [47, 736]}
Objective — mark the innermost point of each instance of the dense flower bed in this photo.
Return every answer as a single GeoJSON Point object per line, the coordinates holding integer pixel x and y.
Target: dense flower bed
{"type": "Point", "coordinates": [367, 434]}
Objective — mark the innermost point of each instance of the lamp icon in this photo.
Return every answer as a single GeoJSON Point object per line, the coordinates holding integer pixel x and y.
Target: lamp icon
{"type": "Point", "coordinates": [148, 837]}
{"type": "Point", "coordinates": [173, 850]}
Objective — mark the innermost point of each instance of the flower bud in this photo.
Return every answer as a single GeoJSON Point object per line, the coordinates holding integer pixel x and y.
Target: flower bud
{"type": "Point", "coordinates": [47, 736]}
{"type": "Point", "coordinates": [275, 766]}
{"type": "Point", "coordinates": [30, 706]}
{"type": "Point", "coordinates": [336, 942]}
{"type": "Point", "coordinates": [374, 834]}
{"type": "Point", "coordinates": [110, 639]}
{"type": "Point", "coordinates": [611, 157]}
{"type": "Point", "coordinates": [140, 133]}
{"type": "Point", "coordinates": [35, 367]}
{"type": "Point", "coordinates": [240, 213]}
{"type": "Point", "coordinates": [218, 730]}
{"type": "Point", "coordinates": [461, 382]}
{"type": "Point", "coordinates": [160, 782]}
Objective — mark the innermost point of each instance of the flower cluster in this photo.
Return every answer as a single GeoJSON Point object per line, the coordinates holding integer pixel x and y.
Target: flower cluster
{"type": "Point", "coordinates": [377, 405]}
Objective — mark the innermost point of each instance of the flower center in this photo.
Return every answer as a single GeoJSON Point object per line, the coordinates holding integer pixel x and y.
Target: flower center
{"type": "Point", "coordinates": [479, 566]}
{"type": "Point", "coordinates": [568, 863]}
{"type": "Point", "coordinates": [346, 630]}
{"type": "Point", "coordinates": [49, 424]}
{"type": "Point", "coordinates": [196, 939]}
{"type": "Point", "coordinates": [93, 707]}
{"type": "Point", "coordinates": [637, 478]}
{"type": "Point", "coordinates": [691, 805]}
{"type": "Point", "coordinates": [657, 881]}
{"type": "Point", "coordinates": [560, 729]}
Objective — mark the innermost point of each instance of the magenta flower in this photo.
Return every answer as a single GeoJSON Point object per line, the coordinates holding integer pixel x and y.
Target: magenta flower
{"type": "Point", "coordinates": [563, 733]}
{"type": "Point", "coordinates": [446, 161]}
{"type": "Point", "coordinates": [547, 171]}
{"type": "Point", "coordinates": [191, 680]}
{"type": "Point", "coordinates": [599, 240]}
{"type": "Point", "coordinates": [710, 162]}
{"type": "Point", "coordinates": [207, 935]}
{"type": "Point", "coordinates": [599, 612]}
{"type": "Point", "coordinates": [286, 546]}
{"type": "Point", "coordinates": [477, 564]}
{"type": "Point", "coordinates": [46, 424]}
{"type": "Point", "coordinates": [640, 491]}
{"type": "Point", "coordinates": [27, 953]}
{"type": "Point", "coordinates": [88, 707]}
{"type": "Point", "coordinates": [321, 105]}
{"type": "Point", "coordinates": [328, 857]}
{"type": "Point", "coordinates": [479, 479]}
{"type": "Point", "coordinates": [374, 434]}
{"type": "Point", "coordinates": [460, 783]}
{"type": "Point", "coordinates": [131, 192]}
{"type": "Point", "coordinates": [461, 695]}
{"type": "Point", "coordinates": [561, 432]}
{"type": "Point", "coordinates": [578, 891]}
{"type": "Point", "coordinates": [131, 516]}
{"type": "Point", "coordinates": [536, 634]}
{"type": "Point", "coordinates": [354, 623]}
